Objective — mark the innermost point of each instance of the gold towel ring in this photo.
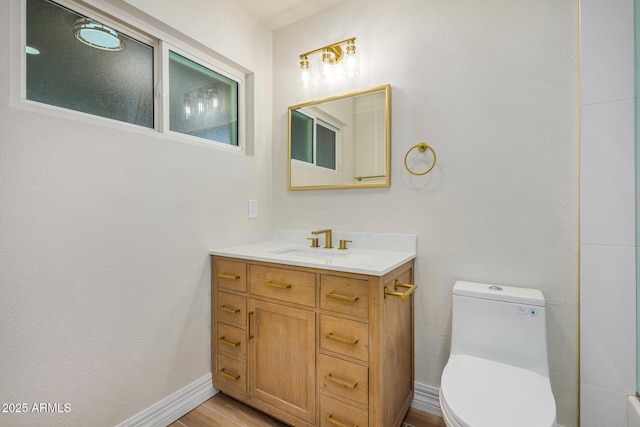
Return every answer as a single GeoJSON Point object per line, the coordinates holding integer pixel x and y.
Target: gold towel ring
{"type": "Point", "coordinates": [422, 147]}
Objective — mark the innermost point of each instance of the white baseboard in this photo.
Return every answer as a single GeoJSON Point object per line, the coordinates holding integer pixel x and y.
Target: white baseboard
{"type": "Point", "coordinates": [169, 409]}
{"type": "Point", "coordinates": [174, 406]}
{"type": "Point", "coordinates": [426, 398]}
{"type": "Point", "coordinates": [633, 411]}
{"type": "Point", "coordinates": [186, 399]}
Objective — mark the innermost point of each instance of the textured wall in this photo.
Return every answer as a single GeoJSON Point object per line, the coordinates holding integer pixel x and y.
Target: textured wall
{"type": "Point", "coordinates": [104, 239]}
{"type": "Point", "coordinates": [493, 86]}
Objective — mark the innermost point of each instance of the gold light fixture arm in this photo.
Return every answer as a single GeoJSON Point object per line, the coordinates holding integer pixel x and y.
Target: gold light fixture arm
{"type": "Point", "coordinates": [334, 48]}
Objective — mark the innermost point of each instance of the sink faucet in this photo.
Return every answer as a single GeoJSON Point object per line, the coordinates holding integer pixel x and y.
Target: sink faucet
{"type": "Point", "coordinates": [327, 241]}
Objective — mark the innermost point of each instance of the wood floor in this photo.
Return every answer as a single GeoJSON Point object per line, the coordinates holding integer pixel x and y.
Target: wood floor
{"type": "Point", "coordinates": [223, 411]}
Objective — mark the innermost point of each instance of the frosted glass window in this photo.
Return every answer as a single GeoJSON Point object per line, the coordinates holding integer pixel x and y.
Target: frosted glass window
{"type": "Point", "coordinates": [84, 63]}
{"type": "Point", "coordinates": [301, 137]}
{"type": "Point", "coordinates": [325, 147]}
{"type": "Point", "coordinates": [203, 103]}
{"type": "Point", "coordinates": [68, 73]}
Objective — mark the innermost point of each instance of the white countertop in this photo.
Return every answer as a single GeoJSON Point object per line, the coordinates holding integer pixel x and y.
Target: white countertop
{"type": "Point", "coordinates": [376, 262]}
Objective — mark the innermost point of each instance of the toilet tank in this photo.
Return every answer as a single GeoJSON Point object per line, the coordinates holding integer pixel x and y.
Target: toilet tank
{"type": "Point", "coordinates": [501, 323]}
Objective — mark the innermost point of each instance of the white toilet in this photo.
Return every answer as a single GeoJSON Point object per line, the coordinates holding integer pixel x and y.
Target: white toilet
{"type": "Point", "coordinates": [498, 373]}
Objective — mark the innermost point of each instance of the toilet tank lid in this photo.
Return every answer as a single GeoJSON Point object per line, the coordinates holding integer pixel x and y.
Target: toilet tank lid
{"type": "Point", "coordinates": [499, 293]}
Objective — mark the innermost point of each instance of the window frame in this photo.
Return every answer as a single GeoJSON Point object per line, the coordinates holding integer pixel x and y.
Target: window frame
{"type": "Point", "coordinates": [207, 62]}
{"type": "Point", "coordinates": [326, 122]}
{"type": "Point", "coordinates": [144, 32]}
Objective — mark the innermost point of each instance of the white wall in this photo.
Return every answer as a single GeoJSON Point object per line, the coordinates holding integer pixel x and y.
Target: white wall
{"type": "Point", "coordinates": [608, 201]}
{"type": "Point", "coordinates": [493, 87]}
{"type": "Point", "coordinates": [104, 236]}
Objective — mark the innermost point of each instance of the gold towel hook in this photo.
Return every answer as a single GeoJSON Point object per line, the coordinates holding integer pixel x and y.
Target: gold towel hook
{"type": "Point", "coordinates": [422, 147]}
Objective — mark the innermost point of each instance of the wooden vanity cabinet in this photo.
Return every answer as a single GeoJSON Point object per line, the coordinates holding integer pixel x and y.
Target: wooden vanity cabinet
{"type": "Point", "coordinates": [313, 347]}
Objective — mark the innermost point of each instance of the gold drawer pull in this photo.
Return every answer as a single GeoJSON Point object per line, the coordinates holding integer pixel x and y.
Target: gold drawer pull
{"type": "Point", "coordinates": [228, 276]}
{"type": "Point", "coordinates": [337, 423]}
{"type": "Point", "coordinates": [342, 297]}
{"type": "Point", "coordinates": [229, 309]}
{"type": "Point", "coordinates": [332, 337]}
{"type": "Point", "coordinates": [249, 336]}
{"type": "Point", "coordinates": [229, 343]}
{"type": "Point", "coordinates": [277, 285]}
{"type": "Point", "coordinates": [228, 375]}
{"type": "Point", "coordinates": [344, 384]}
{"type": "Point", "coordinates": [403, 295]}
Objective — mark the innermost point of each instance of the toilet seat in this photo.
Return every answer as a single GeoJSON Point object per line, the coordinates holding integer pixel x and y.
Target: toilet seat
{"type": "Point", "coordinates": [477, 392]}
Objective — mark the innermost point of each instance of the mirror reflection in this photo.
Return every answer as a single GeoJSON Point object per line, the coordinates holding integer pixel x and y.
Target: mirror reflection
{"type": "Point", "coordinates": [341, 142]}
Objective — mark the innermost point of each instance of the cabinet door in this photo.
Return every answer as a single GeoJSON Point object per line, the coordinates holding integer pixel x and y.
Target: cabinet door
{"type": "Point", "coordinates": [282, 357]}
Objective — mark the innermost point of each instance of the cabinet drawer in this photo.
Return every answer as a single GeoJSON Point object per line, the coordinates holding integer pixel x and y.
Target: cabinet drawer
{"type": "Point", "coordinates": [232, 275]}
{"type": "Point", "coordinates": [346, 337]}
{"type": "Point", "coordinates": [343, 378]}
{"type": "Point", "coordinates": [334, 413]}
{"type": "Point", "coordinates": [232, 308]}
{"type": "Point", "coordinates": [344, 295]}
{"type": "Point", "coordinates": [286, 285]}
{"type": "Point", "coordinates": [232, 341]}
{"type": "Point", "coordinates": [231, 374]}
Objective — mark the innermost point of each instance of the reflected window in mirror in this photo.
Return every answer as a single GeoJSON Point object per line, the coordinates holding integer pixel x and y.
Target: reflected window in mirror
{"type": "Point", "coordinates": [326, 142]}
{"type": "Point", "coordinates": [341, 142]}
{"type": "Point", "coordinates": [313, 140]}
{"type": "Point", "coordinates": [301, 137]}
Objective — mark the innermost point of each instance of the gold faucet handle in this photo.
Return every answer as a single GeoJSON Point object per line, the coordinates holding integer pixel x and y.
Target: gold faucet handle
{"type": "Point", "coordinates": [343, 244]}
{"type": "Point", "coordinates": [314, 242]}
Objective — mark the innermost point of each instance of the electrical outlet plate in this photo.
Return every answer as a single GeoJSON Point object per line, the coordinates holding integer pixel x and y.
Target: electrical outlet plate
{"type": "Point", "coordinates": [253, 209]}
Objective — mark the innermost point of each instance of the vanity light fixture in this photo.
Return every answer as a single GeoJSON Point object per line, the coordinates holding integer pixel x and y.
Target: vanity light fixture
{"type": "Point", "coordinates": [96, 35]}
{"type": "Point", "coordinates": [331, 56]}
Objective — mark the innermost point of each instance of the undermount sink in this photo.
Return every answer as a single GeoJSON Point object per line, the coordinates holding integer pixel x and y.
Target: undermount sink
{"type": "Point", "coordinates": [310, 253]}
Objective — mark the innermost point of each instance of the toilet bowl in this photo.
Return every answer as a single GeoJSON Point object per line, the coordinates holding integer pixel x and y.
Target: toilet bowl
{"type": "Point", "coordinates": [497, 374]}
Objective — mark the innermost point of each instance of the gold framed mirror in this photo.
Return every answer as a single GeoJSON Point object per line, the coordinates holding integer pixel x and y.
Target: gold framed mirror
{"type": "Point", "coordinates": [341, 142]}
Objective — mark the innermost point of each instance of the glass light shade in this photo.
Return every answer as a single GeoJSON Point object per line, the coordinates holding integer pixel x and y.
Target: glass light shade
{"type": "Point", "coordinates": [215, 99]}
{"type": "Point", "coordinates": [351, 47]}
{"type": "Point", "coordinates": [338, 70]}
{"type": "Point", "coordinates": [328, 72]}
{"type": "Point", "coordinates": [305, 78]}
{"type": "Point", "coordinates": [187, 107]}
{"type": "Point", "coordinates": [200, 104]}
{"type": "Point", "coordinates": [351, 66]}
